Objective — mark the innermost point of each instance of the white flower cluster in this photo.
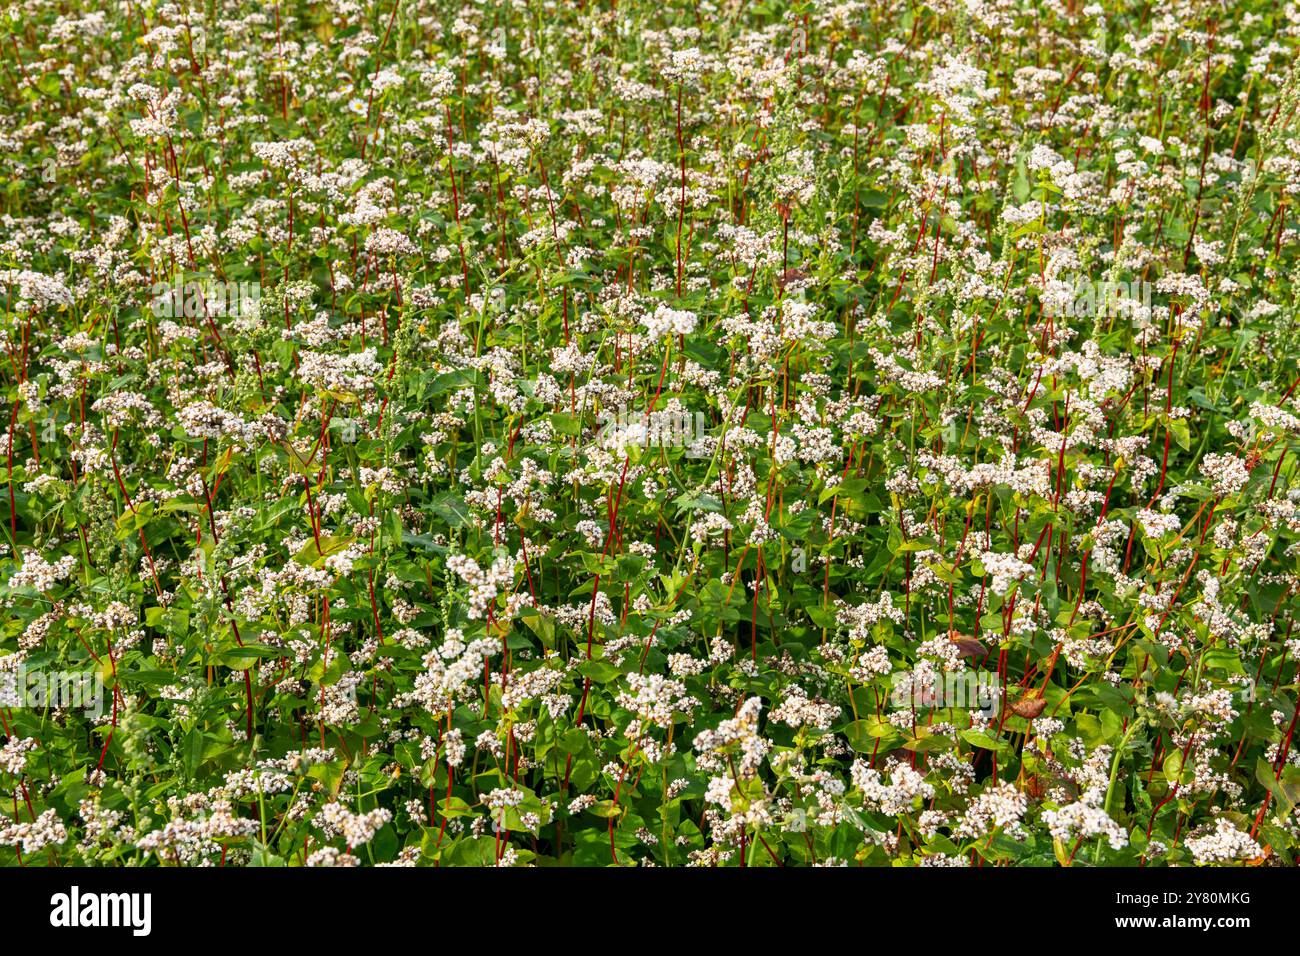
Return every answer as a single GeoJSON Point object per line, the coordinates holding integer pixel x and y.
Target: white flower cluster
{"type": "Point", "coordinates": [1223, 845]}
{"type": "Point", "coordinates": [1000, 807]}
{"type": "Point", "coordinates": [1227, 473]}
{"type": "Point", "coordinates": [655, 698]}
{"type": "Point", "coordinates": [665, 320]}
{"type": "Point", "coordinates": [860, 618]}
{"type": "Point", "coordinates": [798, 710]}
{"type": "Point", "coordinates": [35, 835]}
{"type": "Point", "coordinates": [1085, 818]}
{"type": "Point", "coordinates": [484, 585]}
{"type": "Point", "coordinates": [355, 828]}
{"type": "Point", "coordinates": [37, 573]}
{"type": "Point", "coordinates": [13, 755]}
{"type": "Point", "coordinates": [1155, 524]}
{"type": "Point", "coordinates": [1005, 568]}
{"type": "Point", "coordinates": [354, 372]}
{"type": "Point", "coordinates": [905, 787]}
{"type": "Point", "coordinates": [35, 290]}
{"type": "Point", "coordinates": [739, 732]}
{"type": "Point", "coordinates": [502, 797]}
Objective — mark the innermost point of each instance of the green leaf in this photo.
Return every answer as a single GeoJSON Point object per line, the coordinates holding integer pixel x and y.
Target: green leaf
{"type": "Point", "coordinates": [565, 424]}
{"type": "Point", "coordinates": [600, 672]}
{"type": "Point", "coordinates": [451, 508]}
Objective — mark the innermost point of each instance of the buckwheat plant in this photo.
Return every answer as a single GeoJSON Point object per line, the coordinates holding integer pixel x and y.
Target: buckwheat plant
{"type": "Point", "coordinates": [951, 347]}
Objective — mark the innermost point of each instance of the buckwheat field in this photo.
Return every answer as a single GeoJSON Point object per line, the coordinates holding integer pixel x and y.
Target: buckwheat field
{"type": "Point", "coordinates": [737, 434]}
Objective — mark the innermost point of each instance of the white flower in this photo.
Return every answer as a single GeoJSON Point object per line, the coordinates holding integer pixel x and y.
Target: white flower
{"type": "Point", "coordinates": [1085, 818]}
{"type": "Point", "coordinates": [665, 320]}
{"type": "Point", "coordinates": [1224, 845]}
{"type": "Point", "coordinates": [1227, 473]}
